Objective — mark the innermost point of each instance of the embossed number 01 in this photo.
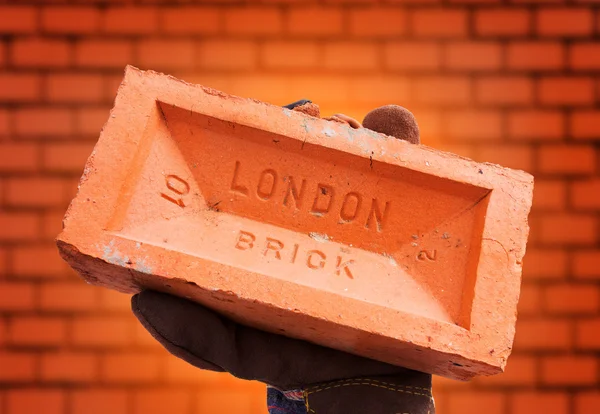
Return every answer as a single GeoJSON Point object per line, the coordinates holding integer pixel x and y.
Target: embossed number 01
{"type": "Point", "coordinates": [178, 187]}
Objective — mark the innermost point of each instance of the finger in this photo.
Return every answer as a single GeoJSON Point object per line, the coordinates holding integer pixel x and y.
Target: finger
{"type": "Point", "coordinates": [395, 121]}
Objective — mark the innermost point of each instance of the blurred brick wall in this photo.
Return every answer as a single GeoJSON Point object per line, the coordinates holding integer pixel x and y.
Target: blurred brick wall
{"type": "Point", "coordinates": [515, 83]}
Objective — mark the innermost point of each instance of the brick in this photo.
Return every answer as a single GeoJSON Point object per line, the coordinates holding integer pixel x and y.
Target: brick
{"type": "Point", "coordinates": [379, 21]}
{"type": "Point", "coordinates": [569, 370]}
{"type": "Point", "coordinates": [158, 401]}
{"type": "Point", "coordinates": [274, 89]}
{"type": "Point", "coordinates": [43, 53]}
{"type": "Point", "coordinates": [585, 264]}
{"type": "Point", "coordinates": [17, 367]}
{"type": "Point", "coordinates": [474, 125]}
{"type": "Point", "coordinates": [130, 20]}
{"type": "Point", "coordinates": [535, 56]}
{"type": "Point", "coordinates": [584, 124]}
{"type": "Point", "coordinates": [3, 333]}
{"type": "Point", "coordinates": [18, 157]}
{"type": "Point", "coordinates": [46, 262]}
{"type": "Point", "coordinates": [412, 55]}
{"type": "Point", "coordinates": [190, 20]}
{"type": "Point", "coordinates": [521, 371]}
{"type": "Point", "coordinates": [90, 120]}
{"type": "Point", "coordinates": [566, 91]}
{"type": "Point", "coordinates": [121, 256]}
{"type": "Point", "coordinates": [130, 367]}
{"type": "Point", "coordinates": [40, 331]}
{"type": "Point", "coordinates": [101, 331]}
{"type": "Point", "coordinates": [530, 301]}
{"type": "Point", "coordinates": [512, 156]}
{"type": "Point", "coordinates": [473, 56]}
{"type": "Point", "coordinates": [253, 21]}
{"type": "Point", "coordinates": [314, 21]}
{"type": "Point", "coordinates": [545, 263]}
{"type": "Point", "coordinates": [290, 55]}
{"type": "Point", "coordinates": [587, 402]}
{"type": "Point", "coordinates": [475, 403]}
{"type": "Point", "coordinates": [566, 159]}
{"type": "Point", "coordinates": [227, 54]}
{"type": "Point", "coordinates": [585, 194]}
{"type": "Point", "coordinates": [74, 367]}
{"type": "Point", "coordinates": [18, 226]}
{"type": "Point", "coordinates": [179, 371]}
{"type": "Point", "coordinates": [27, 401]}
{"type": "Point", "coordinates": [43, 122]}
{"type": "Point", "coordinates": [4, 123]}
{"type": "Point", "coordinates": [101, 401]}
{"type": "Point", "coordinates": [64, 296]}
{"type": "Point", "coordinates": [543, 334]}
{"type": "Point", "coordinates": [439, 23]}
{"type": "Point", "coordinates": [16, 87]}
{"type": "Point", "coordinates": [502, 22]}
{"type": "Point", "coordinates": [18, 19]}
{"type": "Point", "coordinates": [71, 20]}
{"type": "Point", "coordinates": [572, 299]}
{"type": "Point", "coordinates": [549, 195]}
{"type": "Point", "coordinates": [587, 333]}
{"type": "Point", "coordinates": [172, 54]}
{"type": "Point", "coordinates": [442, 90]}
{"type": "Point", "coordinates": [75, 88]}
{"type": "Point", "coordinates": [380, 90]}
{"type": "Point", "coordinates": [543, 402]}
{"type": "Point", "coordinates": [114, 301]}
{"type": "Point", "coordinates": [326, 90]}
{"type": "Point", "coordinates": [536, 125]}
{"type": "Point", "coordinates": [226, 401]}
{"type": "Point", "coordinates": [584, 56]}
{"type": "Point", "coordinates": [504, 90]}
{"type": "Point", "coordinates": [568, 229]}
{"type": "Point", "coordinates": [68, 157]}
{"type": "Point", "coordinates": [103, 53]}
{"type": "Point", "coordinates": [343, 55]}
{"type": "Point", "coordinates": [51, 225]}
{"type": "Point", "coordinates": [564, 22]}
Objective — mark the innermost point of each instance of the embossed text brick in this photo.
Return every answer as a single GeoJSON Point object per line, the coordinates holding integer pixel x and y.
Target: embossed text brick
{"type": "Point", "coordinates": [304, 227]}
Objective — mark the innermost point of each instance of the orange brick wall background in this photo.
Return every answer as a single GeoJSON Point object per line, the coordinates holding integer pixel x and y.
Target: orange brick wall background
{"type": "Point", "coordinates": [515, 83]}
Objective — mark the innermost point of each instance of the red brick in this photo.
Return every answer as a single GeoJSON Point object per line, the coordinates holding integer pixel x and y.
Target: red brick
{"type": "Point", "coordinates": [587, 402]}
{"type": "Point", "coordinates": [142, 338]}
{"type": "Point", "coordinates": [101, 401]}
{"type": "Point", "coordinates": [566, 91]}
{"type": "Point", "coordinates": [101, 331]}
{"type": "Point", "coordinates": [502, 22]}
{"type": "Point", "coordinates": [314, 21]}
{"type": "Point", "coordinates": [572, 299]}
{"type": "Point", "coordinates": [290, 55]}
{"type": "Point", "coordinates": [44, 122]}
{"type": "Point", "coordinates": [43, 53]}
{"type": "Point", "coordinates": [519, 157]}
{"type": "Point", "coordinates": [68, 297]}
{"type": "Point", "coordinates": [569, 229]}
{"type": "Point", "coordinates": [504, 90]}
{"type": "Point", "coordinates": [69, 157]}
{"type": "Point", "coordinates": [343, 55]}
{"type": "Point", "coordinates": [18, 226]}
{"type": "Point", "coordinates": [380, 21]}
{"type": "Point", "coordinates": [584, 124]}
{"type": "Point", "coordinates": [3, 330]}
{"type": "Point", "coordinates": [191, 20]}
{"type": "Point", "coordinates": [130, 20]}
{"type": "Point", "coordinates": [34, 330]}
{"type": "Point", "coordinates": [227, 54]}
{"type": "Point", "coordinates": [274, 89]}
{"type": "Point", "coordinates": [75, 367]}
{"type": "Point", "coordinates": [544, 264]}
{"type": "Point", "coordinates": [35, 192]}
{"type": "Point", "coordinates": [564, 22]}
{"type": "Point", "coordinates": [439, 23]}
{"type": "Point", "coordinates": [380, 90]}
{"type": "Point", "coordinates": [70, 19]}
{"type": "Point", "coordinates": [17, 367]}
{"type": "Point", "coordinates": [535, 56]}
{"type": "Point", "coordinates": [90, 121]}
{"type": "Point", "coordinates": [541, 402]}
{"type": "Point", "coordinates": [51, 225]}
{"type": "Point", "coordinates": [46, 262]}
{"type": "Point", "coordinates": [4, 123]}
{"type": "Point", "coordinates": [585, 264]}
{"type": "Point", "coordinates": [17, 19]}
{"type": "Point", "coordinates": [412, 55]}
{"type": "Point", "coordinates": [474, 125]}
{"type": "Point", "coordinates": [536, 125]}
{"type": "Point", "coordinates": [103, 53]}
{"type": "Point", "coordinates": [179, 371]}
{"type": "Point", "coordinates": [584, 56]}
{"type": "Point", "coordinates": [543, 334]}
{"type": "Point", "coordinates": [530, 300]}
{"type": "Point", "coordinates": [130, 367]}
{"type": "Point", "coordinates": [473, 56]}
{"type": "Point", "coordinates": [170, 54]}
{"type": "Point", "coordinates": [567, 159]}
{"type": "Point", "coordinates": [549, 195]}
{"type": "Point", "coordinates": [569, 370]}
{"type": "Point", "coordinates": [160, 401]}
{"type": "Point", "coordinates": [585, 195]}
{"type": "Point", "coordinates": [587, 334]}
{"type": "Point", "coordinates": [16, 87]}
{"type": "Point", "coordinates": [30, 401]}
{"type": "Point", "coordinates": [18, 157]}
{"type": "Point", "coordinates": [442, 90]}
{"type": "Point", "coordinates": [75, 88]}
{"type": "Point", "coordinates": [476, 403]}
{"type": "Point", "coordinates": [114, 301]}
{"type": "Point", "coordinates": [253, 20]}
{"type": "Point", "coordinates": [520, 371]}
{"type": "Point", "coordinates": [226, 401]}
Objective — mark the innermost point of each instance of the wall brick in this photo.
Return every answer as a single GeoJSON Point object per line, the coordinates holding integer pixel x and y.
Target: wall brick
{"type": "Point", "coordinates": [19, 226]}
{"type": "Point", "coordinates": [564, 22]}
{"type": "Point", "coordinates": [549, 195]}
{"type": "Point", "coordinates": [569, 370]}
{"type": "Point", "coordinates": [587, 334]}
{"type": "Point", "coordinates": [42, 53]}
{"type": "Point", "coordinates": [378, 22]}
{"type": "Point", "coordinates": [46, 264]}
{"type": "Point", "coordinates": [70, 19]}
{"type": "Point", "coordinates": [68, 157]}
{"type": "Point", "coordinates": [35, 192]}
{"type": "Point", "coordinates": [504, 90]}
{"type": "Point", "coordinates": [29, 401]}
{"type": "Point", "coordinates": [179, 371]}
{"type": "Point", "coordinates": [157, 401]}
{"type": "Point", "coordinates": [223, 54]}
{"type": "Point", "coordinates": [40, 331]}
{"type": "Point", "coordinates": [543, 334]}
{"type": "Point", "coordinates": [61, 296]}
{"type": "Point", "coordinates": [585, 264]}
{"type": "Point", "coordinates": [343, 55]}
{"type": "Point", "coordinates": [569, 229]}
{"type": "Point", "coordinates": [536, 125]}
{"type": "Point", "coordinates": [530, 300]}
{"type": "Point", "coordinates": [115, 302]}
{"type": "Point", "coordinates": [17, 367]}
{"type": "Point", "coordinates": [535, 56]}
{"type": "Point", "coordinates": [412, 55]}
{"type": "Point", "coordinates": [545, 264]}
{"type": "Point", "coordinates": [437, 90]}
{"type": "Point", "coordinates": [254, 21]}
{"type": "Point", "coordinates": [103, 53]}
{"type": "Point", "coordinates": [314, 21]}
{"type": "Point", "coordinates": [130, 367]}
{"type": "Point", "coordinates": [584, 56]}
{"type": "Point", "coordinates": [584, 124]}
{"type": "Point", "coordinates": [473, 56]}
{"type": "Point", "coordinates": [4, 123]}
{"type": "Point", "coordinates": [100, 401]}
{"type": "Point", "coordinates": [174, 54]}
{"type": "Point", "coordinates": [379, 91]}
{"type": "Point", "coordinates": [101, 331]}
{"type": "Point", "coordinates": [566, 91]}
{"type": "Point", "coordinates": [20, 87]}
{"type": "Point", "coordinates": [572, 299]}
{"type": "Point", "coordinates": [565, 159]}
{"type": "Point", "coordinates": [519, 157]}
{"type": "Point", "coordinates": [290, 55]}
{"type": "Point", "coordinates": [18, 19]}
{"type": "Point", "coordinates": [43, 122]}
{"type": "Point", "coordinates": [475, 403]}
{"type": "Point", "coordinates": [90, 121]}
{"type": "Point", "coordinates": [232, 401]}
{"type": "Point", "coordinates": [190, 20]}
{"type": "Point", "coordinates": [520, 372]}
{"type": "Point", "coordinates": [130, 20]}
{"type": "Point", "coordinates": [584, 194]}
{"type": "Point", "coordinates": [474, 125]}
{"type": "Point", "coordinates": [439, 23]}
{"type": "Point", "coordinates": [587, 402]}
{"type": "Point", "coordinates": [542, 402]}
{"type": "Point", "coordinates": [502, 22]}
{"type": "Point", "coordinates": [75, 367]}
{"type": "Point", "coordinates": [75, 88]}
{"type": "Point", "coordinates": [18, 157]}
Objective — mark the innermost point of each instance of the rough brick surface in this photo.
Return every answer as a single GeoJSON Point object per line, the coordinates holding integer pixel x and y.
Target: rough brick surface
{"type": "Point", "coordinates": [317, 236]}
